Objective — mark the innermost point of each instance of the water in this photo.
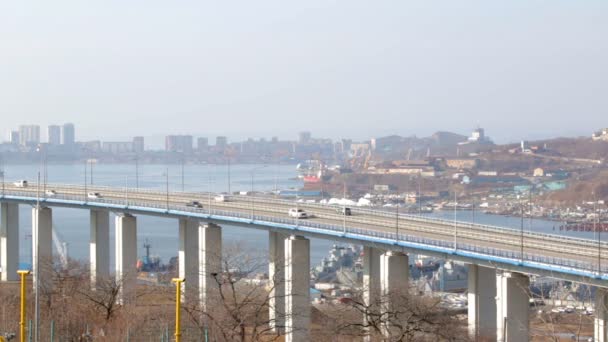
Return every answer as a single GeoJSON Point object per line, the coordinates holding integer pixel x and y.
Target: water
{"type": "Point", "coordinates": [72, 225]}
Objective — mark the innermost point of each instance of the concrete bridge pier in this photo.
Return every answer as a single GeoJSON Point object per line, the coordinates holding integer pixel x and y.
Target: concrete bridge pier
{"type": "Point", "coordinates": [126, 256]}
{"type": "Point", "coordinates": [276, 276]}
{"type": "Point", "coordinates": [601, 315]}
{"type": "Point", "coordinates": [210, 264]}
{"type": "Point", "coordinates": [99, 246]}
{"type": "Point", "coordinates": [188, 258]}
{"type": "Point", "coordinates": [371, 282]}
{"type": "Point", "coordinates": [512, 307]}
{"type": "Point", "coordinates": [297, 289]}
{"type": "Point", "coordinates": [9, 241]}
{"type": "Point", "coordinates": [482, 303]}
{"type": "Point", "coordinates": [42, 244]}
{"type": "Point", "coordinates": [394, 284]}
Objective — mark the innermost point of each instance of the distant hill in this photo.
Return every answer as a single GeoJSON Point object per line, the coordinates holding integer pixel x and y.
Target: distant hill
{"type": "Point", "coordinates": [580, 147]}
{"type": "Point", "coordinates": [447, 138]}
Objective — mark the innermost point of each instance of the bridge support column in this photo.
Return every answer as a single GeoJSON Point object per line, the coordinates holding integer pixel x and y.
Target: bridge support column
{"type": "Point", "coordinates": [276, 276]}
{"type": "Point", "coordinates": [99, 246]}
{"type": "Point", "coordinates": [188, 258]}
{"type": "Point", "coordinates": [297, 289]}
{"type": "Point", "coordinates": [482, 303]}
{"type": "Point", "coordinates": [210, 259]}
{"type": "Point", "coordinates": [9, 241]}
{"type": "Point", "coordinates": [371, 283]}
{"type": "Point", "coordinates": [42, 244]}
{"type": "Point", "coordinates": [513, 306]}
{"type": "Point", "coordinates": [126, 256]}
{"type": "Point", "coordinates": [601, 315]}
{"type": "Point", "coordinates": [394, 285]}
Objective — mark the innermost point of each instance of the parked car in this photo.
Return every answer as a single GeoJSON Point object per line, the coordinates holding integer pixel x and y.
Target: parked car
{"type": "Point", "coordinates": [21, 184]}
{"type": "Point", "coordinates": [344, 211]}
{"type": "Point", "coordinates": [194, 204]}
{"type": "Point", "coordinates": [297, 213]}
{"type": "Point", "coordinates": [94, 195]}
{"type": "Point", "coordinates": [50, 193]}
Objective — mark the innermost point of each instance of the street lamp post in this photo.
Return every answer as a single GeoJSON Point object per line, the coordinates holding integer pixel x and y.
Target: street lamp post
{"type": "Point", "coordinates": [85, 180]}
{"type": "Point", "coordinates": [455, 224]}
{"type": "Point", "coordinates": [521, 229]}
{"type": "Point", "coordinates": [397, 223]}
{"type": "Point", "coordinates": [2, 175]}
{"type": "Point", "coordinates": [253, 170]}
{"type": "Point", "coordinates": [183, 186]}
{"type": "Point", "coordinates": [344, 209]}
{"type": "Point", "coordinates": [167, 187]}
{"type": "Point", "coordinates": [37, 274]}
{"type": "Point", "coordinates": [599, 236]}
{"type": "Point", "coordinates": [136, 172]}
{"type": "Point", "coordinates": [126, 191]}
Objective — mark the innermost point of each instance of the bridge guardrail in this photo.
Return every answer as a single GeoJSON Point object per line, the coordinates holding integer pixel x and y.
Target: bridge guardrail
{"type": "Point", "coordinates": [391, 237]}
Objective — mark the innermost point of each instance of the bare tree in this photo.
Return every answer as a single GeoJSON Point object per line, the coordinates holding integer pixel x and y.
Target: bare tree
{"type": "Point", "coordinates": [398, 316]}
{"type": "Point", "coordinates": [238, 309]}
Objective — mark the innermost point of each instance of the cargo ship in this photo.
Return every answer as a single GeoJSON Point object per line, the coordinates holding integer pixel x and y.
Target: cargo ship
{"type": "Point", "coordinates": [310, 171]}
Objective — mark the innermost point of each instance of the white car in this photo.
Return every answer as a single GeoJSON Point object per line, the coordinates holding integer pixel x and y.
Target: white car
{"type": "Point", "coordinates": [21, 184]}
{"type": "Point", "coordinates": [50, 193]}
{"type": "Point", "coordinates": [94, 195]}
{"type": "Point", "coordinates": [222, 198]}
{"type": "Point", "coordinates": [297, 213]}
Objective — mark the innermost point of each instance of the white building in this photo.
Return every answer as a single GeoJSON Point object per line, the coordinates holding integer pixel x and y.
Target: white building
{"type": "Point", "coordinates": [600, 135]}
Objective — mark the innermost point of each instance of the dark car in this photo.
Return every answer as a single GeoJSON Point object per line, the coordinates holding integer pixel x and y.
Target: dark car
{"type": "Point", "coordinates": [194, 204]}
{"type": "Point", "coordinates": [344, 211]}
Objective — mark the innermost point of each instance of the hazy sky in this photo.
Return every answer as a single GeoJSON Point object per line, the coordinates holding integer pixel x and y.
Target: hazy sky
{"type": "Point", "coordinates": [337, 68]}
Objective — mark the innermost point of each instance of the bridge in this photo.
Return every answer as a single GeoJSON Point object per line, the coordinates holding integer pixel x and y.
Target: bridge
{"type": "Point", "coordinates": [501, 259]}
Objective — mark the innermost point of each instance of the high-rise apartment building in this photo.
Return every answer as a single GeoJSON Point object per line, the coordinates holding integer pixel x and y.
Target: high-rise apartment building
{"type": "Point", "coordinates": [69, 134]}
{"type": "Point", "coordinates": [221, 142]}
{"type": "Point", "coordinates": [13, 137]}
{"type": "Point", "coordinates": [202, 144]}
{"type": "Point", "coordinates": [53, 135]}
{"type": "Point", "coordinates": [304, 137]}
{"type": "Point", "coordinates": [178, 143]}
{"type": "Point", "coordinates": [29, 135]}
{"type": "Point", "coordinates": [138, 144]}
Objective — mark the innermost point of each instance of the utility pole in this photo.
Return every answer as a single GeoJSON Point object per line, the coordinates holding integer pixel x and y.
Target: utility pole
{"type": "Point", "coordinates": [178, 289]}
{"type": "Point", "coordinates": [23, 274]}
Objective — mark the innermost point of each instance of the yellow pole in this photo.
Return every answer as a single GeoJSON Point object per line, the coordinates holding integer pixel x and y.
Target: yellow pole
{"type": "Point", "coordinates": [23, 275]}
{"type": "Point", "coordinates": [178, 299]}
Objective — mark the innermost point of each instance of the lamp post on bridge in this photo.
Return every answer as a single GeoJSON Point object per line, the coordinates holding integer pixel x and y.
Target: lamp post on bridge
{"type": "Point", "coordinates": [182, 164]}
{"type": "Point", "coordinates": [2, 174]}
{"type": "Point", "coordinates": [599, 235]}
{"type": "Point", "coordinates": [344, 210]}
{"type": "Point", "coordinates": [521, 228]}
{"type": "Point", "coordinates": [136, 172]}
{"type": "Point", "coordinates": [166, 174]}
{"type": "Point", "coordinates": [85, 179]}
{"type": "Point", "coordinates": [455, 216]}
{"type": "Point", "coordinates": [252, 171]}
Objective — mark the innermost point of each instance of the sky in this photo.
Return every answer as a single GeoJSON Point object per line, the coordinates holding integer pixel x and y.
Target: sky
{"type": "Point", "coordinates": [520, 69]}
